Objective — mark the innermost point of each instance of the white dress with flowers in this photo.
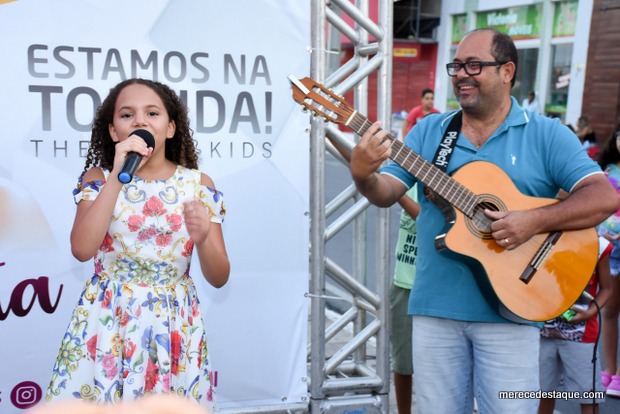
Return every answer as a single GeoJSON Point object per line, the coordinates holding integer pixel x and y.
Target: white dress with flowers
{"type": "Point", "coordinates": [137, 327]}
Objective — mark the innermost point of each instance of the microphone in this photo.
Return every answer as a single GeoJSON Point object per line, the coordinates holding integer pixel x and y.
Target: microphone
{"type": "Point", "coordinates": [133, 158]}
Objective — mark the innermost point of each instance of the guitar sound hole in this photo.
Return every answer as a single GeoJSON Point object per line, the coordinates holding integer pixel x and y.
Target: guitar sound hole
{"type": "Point", "coordinates": [480, 224]}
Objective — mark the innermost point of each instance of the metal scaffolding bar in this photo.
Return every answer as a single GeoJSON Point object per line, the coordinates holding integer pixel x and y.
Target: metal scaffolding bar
{"type": "Point", "coordinates": [349, 379]}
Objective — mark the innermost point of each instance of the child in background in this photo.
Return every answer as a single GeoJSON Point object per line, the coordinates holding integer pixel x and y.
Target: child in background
{"type": "Point", "coordinates": [566, 347]}
{"type": "Point", "coordinates": [400, 320]}
{"type": "Point", "coordinates": [609, 160]}
{"type": "Point", "coordinates": [137, 328]}
{"type": "Point", "coordinates": [404, 274]}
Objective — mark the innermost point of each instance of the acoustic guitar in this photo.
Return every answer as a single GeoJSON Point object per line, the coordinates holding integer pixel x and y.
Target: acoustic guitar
{"type": "Point", "coordinates": [537, 281]}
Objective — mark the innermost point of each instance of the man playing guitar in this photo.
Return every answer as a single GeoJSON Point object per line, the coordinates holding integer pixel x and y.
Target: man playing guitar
{"type": "Point", "coordinates": [462, 346]}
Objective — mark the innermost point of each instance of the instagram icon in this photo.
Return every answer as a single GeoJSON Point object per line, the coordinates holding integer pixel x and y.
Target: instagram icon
{"type": "Point", "coordinates": [26, 394]}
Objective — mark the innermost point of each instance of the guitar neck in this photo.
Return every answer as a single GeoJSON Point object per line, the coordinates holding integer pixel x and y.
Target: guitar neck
{"type": "Point", "coordinates": [431, 176]}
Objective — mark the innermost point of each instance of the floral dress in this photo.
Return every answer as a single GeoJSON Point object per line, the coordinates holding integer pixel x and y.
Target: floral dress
{"type": "Point", "coordinates": [137, 327]}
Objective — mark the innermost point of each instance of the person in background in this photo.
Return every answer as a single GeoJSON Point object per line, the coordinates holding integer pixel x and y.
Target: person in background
{"type": "Point", "coordinates": [420, 111]}
{"type": "Point", "coordinates": [462, 346]}
{"type": "Point", "coordinates": [567, 343]}
{"type": "Point", "coordinates": [531, 103]}
{"type": "Point", "coordinates": [400, 320]}
{"type": "Point", "coordinates": [137, 328]}
{"type": "Point", "coordinates": [609, 160]}
{"type": "Point", "coordinates": [400, 290]}
{"type": "Point", "coordinates": [587, 136]}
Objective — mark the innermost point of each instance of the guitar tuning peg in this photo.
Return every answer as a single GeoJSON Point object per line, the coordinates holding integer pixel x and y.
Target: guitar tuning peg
{"type": "Point", "coordinates": [325, 120]}
{"type": "Point", "coordinates": [304, 109]}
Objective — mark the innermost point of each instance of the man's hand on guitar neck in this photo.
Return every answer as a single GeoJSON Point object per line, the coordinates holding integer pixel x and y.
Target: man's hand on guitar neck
{"type": "Point", "coordinates": [366, 158]}
{"type": "Point", "coordinates": [370, 152]}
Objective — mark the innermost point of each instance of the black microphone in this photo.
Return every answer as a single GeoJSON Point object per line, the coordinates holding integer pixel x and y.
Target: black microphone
{"type": "Point", "coordinates": [133, 158]}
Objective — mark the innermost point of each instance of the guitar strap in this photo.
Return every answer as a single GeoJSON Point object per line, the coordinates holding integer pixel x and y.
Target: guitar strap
{"type": "Point", "coordinates": [448, 142]}
{"type": "Point", "coordinates": [442, 156]}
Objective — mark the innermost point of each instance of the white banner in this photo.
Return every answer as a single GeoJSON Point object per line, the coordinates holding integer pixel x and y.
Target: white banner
{"type": "Point", "coordinates": [229, 61]}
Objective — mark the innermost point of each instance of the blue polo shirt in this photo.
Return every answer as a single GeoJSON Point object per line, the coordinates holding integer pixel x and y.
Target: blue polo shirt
{"type": "Point", "coordinates": [539, 154]}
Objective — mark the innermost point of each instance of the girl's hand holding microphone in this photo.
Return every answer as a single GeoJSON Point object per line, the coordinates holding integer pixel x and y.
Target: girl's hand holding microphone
{"type": "Point", "coordinates": [131, 153]}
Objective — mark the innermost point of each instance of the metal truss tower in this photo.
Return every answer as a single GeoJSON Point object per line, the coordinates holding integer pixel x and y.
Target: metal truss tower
{"type": "Point", "coordinates": [349, 380]}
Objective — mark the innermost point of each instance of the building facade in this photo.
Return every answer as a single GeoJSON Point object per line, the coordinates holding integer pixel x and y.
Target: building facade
{"type": "Point", "coordinates": [568, 53]}
{"type": "Point", "coordinates": [551, 39]}
{"type": "Point", "coordinates": [601, 94]}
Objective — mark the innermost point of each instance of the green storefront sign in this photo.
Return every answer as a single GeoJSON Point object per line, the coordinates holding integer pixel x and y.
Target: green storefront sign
{"type": "Point", "coordinates": [518, 22]}
{"type": "Point", "coordinates": [521, 22]}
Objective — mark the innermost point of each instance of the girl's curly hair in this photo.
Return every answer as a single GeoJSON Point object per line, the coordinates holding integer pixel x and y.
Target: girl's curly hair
{"type": "Point", "coordinates": [180, 149]}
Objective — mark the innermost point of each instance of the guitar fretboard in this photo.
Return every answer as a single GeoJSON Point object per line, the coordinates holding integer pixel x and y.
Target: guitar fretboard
{"type": "Point", "coordinates": [432, 177]}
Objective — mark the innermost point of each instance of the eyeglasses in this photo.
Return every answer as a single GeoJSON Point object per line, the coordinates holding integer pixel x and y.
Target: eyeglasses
{"type": "Point", "coordinates": [473, 67]}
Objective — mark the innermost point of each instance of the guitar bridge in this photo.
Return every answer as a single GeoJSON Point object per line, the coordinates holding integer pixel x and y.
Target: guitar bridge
{"type": "Point", "coordinates": [540, 256]}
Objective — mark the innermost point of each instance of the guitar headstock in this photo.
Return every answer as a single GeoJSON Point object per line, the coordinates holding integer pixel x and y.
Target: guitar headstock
{"type": "Point", "coordinates": [320, 100]}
